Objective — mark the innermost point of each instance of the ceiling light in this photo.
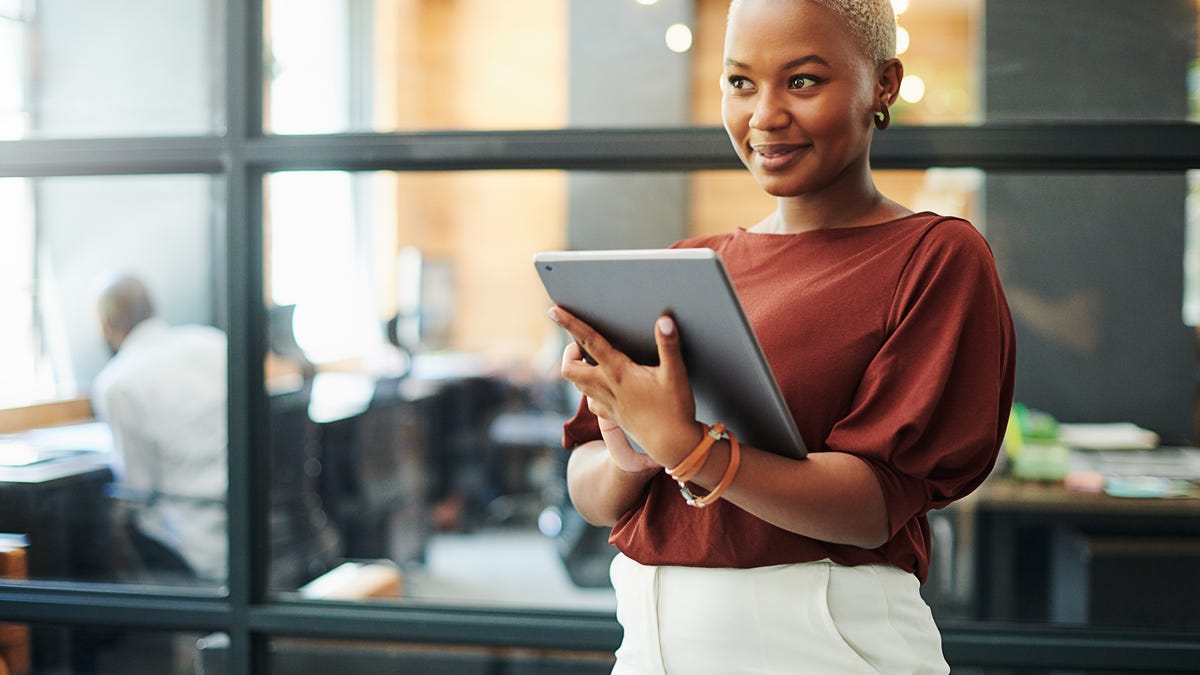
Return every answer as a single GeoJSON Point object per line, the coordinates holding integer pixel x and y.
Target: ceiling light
{"type": "Point", "coordinates": [679, 38]}
{"type": "Point", "coordinates": [912, 88]}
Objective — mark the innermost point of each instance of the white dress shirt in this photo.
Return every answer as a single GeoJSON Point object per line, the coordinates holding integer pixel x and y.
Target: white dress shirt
{"type": "Point", "coordinates": [164, 397]}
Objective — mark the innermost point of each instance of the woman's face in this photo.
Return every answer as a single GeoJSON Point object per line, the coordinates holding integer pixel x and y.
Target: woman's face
{"type": "Point", "coordinates": [798, 96]}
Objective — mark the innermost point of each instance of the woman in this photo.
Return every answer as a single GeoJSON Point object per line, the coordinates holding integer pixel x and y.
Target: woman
{"type": "Point", "coordinates": [891, 340]}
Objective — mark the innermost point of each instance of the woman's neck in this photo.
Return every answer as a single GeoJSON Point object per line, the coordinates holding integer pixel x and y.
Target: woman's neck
{"type": "Point", "coordinates": [803, 214]}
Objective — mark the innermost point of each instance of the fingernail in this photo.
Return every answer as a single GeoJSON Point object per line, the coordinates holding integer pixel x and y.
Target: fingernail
{"type": "Point", "coordinates": [553, 314]}
{"type": "Point", "coordinates": [666, 325]}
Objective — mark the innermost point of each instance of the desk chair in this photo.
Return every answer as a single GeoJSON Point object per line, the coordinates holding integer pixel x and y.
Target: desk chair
{"type": "Point", "coordinates": [303, 543]}
{"type": "Point", "coordinates": [374, 478]}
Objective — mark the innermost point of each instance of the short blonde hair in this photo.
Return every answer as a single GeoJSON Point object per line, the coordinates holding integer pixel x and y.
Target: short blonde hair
{"type": "Point", "coordinates": [872, 21]}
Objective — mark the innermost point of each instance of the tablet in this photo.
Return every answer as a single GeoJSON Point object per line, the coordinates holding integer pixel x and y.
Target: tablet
{"type": "Point", "coordinates": [622, 293]}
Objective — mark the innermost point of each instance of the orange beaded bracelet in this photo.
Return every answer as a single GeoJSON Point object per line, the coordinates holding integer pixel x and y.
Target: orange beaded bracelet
{"type": "Point", "coordinates": [691, 465]}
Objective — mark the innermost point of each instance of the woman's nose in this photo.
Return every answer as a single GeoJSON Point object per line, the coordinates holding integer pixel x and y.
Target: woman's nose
{"type": "Point", "coordinates": [769, 112]}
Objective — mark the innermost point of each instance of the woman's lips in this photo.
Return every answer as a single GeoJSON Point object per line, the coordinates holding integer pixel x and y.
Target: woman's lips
{"type": "Point", "coordinates": [775, 156]}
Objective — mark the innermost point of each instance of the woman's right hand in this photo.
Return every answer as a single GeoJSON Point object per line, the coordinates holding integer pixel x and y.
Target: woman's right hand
{"type": "Point", "coordinates": [622, 452]}
{"type": "Point", "coordinates": [653, 404]}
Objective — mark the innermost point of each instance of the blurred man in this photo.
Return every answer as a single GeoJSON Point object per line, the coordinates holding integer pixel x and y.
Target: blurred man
{"type": "Point", "coordinates": [164, 396]}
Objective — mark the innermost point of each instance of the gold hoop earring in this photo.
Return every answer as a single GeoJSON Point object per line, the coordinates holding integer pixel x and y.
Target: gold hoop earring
{"type": "Point", "coordinates": [883, 118]}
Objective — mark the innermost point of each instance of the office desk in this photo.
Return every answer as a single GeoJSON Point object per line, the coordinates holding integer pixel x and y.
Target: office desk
{"type": "Point", "coordinates": [54, 490]}
{"type": "Point", "coordinates": [1045, 553]}
{"type": "Point", "coordinates": [62, 506]}
{"type": "Point", "coordinates": [1033, 497]}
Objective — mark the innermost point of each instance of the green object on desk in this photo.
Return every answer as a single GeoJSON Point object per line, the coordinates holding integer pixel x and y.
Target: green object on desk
{"type": "Point", "coordinates": [1041, 460]}
{"type": "Point", "coordinates": [1036, 424]}
{"type": "Point", "coordinates": [1032, 427]}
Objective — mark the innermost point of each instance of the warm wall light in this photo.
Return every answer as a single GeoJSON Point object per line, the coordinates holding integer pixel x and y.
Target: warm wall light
{"type": "Point", "coordinates": [912, 88]}
{"type": "Point", "coordinates": [899, 6]}
{"type": "Point", "coordinates": [679, 38]}
{"type": "Point", "coordinates": [902, 40]}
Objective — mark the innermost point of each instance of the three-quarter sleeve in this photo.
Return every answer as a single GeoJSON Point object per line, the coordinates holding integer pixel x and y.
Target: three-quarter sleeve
{"type": "Point", "coordinates": [932, 406]}
{"type": "Point", "coordinates": [581, 428]}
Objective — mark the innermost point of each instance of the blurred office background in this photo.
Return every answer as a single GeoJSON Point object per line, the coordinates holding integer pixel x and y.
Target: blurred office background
{"type": "Point", "coordinates": [353, 190]}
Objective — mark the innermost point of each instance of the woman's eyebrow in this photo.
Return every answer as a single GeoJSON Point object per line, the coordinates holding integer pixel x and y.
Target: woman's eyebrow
{"type": "Point", "coordinates": [794, 63]}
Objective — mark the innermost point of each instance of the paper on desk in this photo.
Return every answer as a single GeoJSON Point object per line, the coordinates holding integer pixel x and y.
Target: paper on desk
{"type": "Point", "coordinates": [1107, 436]}
{"type": "Point", "coordinates": [16, 452]}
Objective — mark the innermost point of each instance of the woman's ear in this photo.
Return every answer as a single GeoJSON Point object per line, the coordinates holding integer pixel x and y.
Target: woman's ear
{"type": "Point", "coordinates": [891, 74]}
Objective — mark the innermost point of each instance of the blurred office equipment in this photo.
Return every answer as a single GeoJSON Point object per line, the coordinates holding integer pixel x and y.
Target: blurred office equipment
{"type": "Point", "coordinates": [15, 655]}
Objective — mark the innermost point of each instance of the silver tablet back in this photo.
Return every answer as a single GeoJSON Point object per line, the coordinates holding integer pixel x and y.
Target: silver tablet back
{"type": "Point", "coordinates": [622, 293]}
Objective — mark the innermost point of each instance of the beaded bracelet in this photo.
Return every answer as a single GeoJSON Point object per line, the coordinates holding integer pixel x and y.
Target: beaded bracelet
{"type": "Point", "coordinates": [691, 465]}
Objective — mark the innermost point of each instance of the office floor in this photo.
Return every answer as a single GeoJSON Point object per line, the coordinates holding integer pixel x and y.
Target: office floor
{"type": "Point", "coordinates": [514, 567]}
{"type": "Point", "coordinates": [507, 567]}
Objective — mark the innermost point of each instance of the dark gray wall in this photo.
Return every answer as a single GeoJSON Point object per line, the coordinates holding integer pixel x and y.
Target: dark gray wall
{"type": "Point", "coordinates": [1094, 263]}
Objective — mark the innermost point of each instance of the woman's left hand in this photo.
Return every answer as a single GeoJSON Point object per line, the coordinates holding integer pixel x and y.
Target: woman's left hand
{"type": "Point", "coordinates": [653, 404]}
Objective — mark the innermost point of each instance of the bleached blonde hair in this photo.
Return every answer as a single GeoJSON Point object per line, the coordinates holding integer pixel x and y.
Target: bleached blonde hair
{"type": "Point", "coordinates": [872, 21]}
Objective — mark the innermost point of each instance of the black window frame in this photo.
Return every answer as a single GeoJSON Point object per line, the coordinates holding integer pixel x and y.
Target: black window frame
{"type": "Point", "coordinates": [241, 157]}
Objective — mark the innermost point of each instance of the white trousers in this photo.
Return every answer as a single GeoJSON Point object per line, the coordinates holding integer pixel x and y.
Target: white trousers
{"type": "Point", "coordinates": [805, 618]}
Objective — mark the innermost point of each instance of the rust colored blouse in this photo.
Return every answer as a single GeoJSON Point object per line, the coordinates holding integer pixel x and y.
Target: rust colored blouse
{"type": "Point", "coordinates": [891, 342]}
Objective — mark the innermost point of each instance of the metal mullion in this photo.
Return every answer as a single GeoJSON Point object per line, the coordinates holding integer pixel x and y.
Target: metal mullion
{"type": "Point", "coordinates": [249, 469]}
{"type": "Point", "coordinates": [111, 156]}
{"type": "Point", "coordinates": [631, 149]}
{"type": "Point", "coordinates": [1032, 147]}
{"type": "Point", "coordinates": [1081, 146]}
{"type": "Point", "coordinates": [987, 645]}
{"type": "Point", "coordinates": [1010, 147]}
{"type": "Point", "coordinates": [1056, 646]}
{"type": "Point", "coordinates": [85, 607]}
{"type": "Point", "coordinates": [516, 628]}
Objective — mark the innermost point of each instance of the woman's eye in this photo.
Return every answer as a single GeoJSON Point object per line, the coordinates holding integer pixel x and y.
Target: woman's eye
{"type": "Point", "coordinates": [801, 81]}
{"type": "Point", "coordinates": [739, 82]}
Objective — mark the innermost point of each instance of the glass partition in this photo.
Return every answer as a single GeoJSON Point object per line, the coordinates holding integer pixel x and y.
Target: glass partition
{"type": "Point", "coordinates": [80, 650]}
{"type": "Point", "coordinates": [413, 371]}
{"type": "Point", "coordinates": [90, 70]}
{"type": "Point", "coordinates": [412, 378]}
{"type": "Point", "coordinates": [430, 458]}
{"type": "Point", "coordinates": [408, 65]}
{"type": "Point", "coordinates": [112, 428]}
